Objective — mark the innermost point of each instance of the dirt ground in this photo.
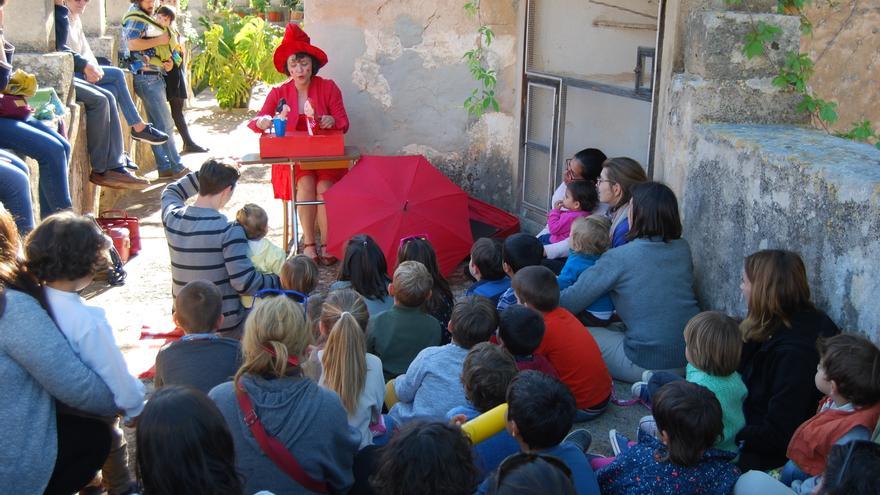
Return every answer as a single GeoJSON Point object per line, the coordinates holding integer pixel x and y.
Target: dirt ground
{"type": "Point", "coordinates": [144, 302]}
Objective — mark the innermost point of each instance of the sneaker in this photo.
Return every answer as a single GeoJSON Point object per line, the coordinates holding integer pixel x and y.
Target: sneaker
{"type": "Point", "coordinates": [149, 134]}
{"type": "Point", "coordinates": [646, 375]}
{"type": "Point", "coordinates": [580, 437]}
{"type": "Point", "coordinates": [174, 173]}
{"type": "Point", "coordinates": [129, 163]}
{"type": "Point", "coordinates": [118, 179]}
{"type": "Point", "coordinates": [648, 425]}
{"type": "Point", "coordinates": [638, 388]}
{"type": "Point", "coordinates": [619, 443]}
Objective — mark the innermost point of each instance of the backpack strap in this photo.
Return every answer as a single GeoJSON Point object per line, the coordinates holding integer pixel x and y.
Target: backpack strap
{"type": "Point", "coordinates": [273, 448]}
{"type": "Point", "coordinates": [137, 15]}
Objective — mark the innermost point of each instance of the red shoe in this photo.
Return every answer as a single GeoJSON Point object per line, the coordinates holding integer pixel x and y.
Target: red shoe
{"type": "Point", "coordinates": [327, 260]}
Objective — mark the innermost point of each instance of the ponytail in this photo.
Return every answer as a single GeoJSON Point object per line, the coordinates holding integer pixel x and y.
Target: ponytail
{"type": "Point", "coordinates": [345, 361]}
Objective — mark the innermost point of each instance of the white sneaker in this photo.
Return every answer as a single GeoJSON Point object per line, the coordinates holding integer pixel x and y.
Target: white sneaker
{"type": "Point", "coordinates": [646, 375]}
{"type": "Point", "coordinates": [637, 389]}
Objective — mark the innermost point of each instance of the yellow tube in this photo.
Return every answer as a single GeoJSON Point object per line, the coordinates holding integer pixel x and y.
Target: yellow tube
{"type": "Point", "coordinates": [486, 424]}
{"type": "Point", "coordinates": [390, 394]}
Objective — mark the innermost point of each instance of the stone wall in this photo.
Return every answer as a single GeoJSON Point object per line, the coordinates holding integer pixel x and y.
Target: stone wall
{"type": "Point", "coordinates": [404, 80]}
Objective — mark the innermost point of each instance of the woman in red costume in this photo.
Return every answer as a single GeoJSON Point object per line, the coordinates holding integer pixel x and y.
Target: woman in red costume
{"type": "Point", "coordinates": [297, 58]}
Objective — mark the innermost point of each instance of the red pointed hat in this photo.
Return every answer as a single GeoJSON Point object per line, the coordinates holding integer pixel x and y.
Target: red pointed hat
{"type": "Point", "coordinates": [295, 41]}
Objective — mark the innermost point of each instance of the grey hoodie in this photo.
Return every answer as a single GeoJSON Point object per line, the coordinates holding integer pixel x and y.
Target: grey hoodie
{"type": "Point", "coordinates": [308, 420]}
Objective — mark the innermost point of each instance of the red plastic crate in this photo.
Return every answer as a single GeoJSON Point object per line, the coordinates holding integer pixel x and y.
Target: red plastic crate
{"type": "Point", "coordinates": [298, 144]}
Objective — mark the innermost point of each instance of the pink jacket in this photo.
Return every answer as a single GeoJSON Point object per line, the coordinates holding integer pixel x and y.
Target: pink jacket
{"type": "Point", "coordinates": [559, 222]}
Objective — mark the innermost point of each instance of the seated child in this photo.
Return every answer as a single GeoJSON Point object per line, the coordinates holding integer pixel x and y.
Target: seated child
{"type": "Point", "coordinates": [432, 385]}
{"type": "Point", "coordinates": [682, 459]}
{"type": "Point", "coordinates": [486, 267]}
{"type": "Point", "coordinates": [581, 198]}
{"type": "Point", "coordinates": [518, 251]}
{"type": "Point", "coordinates": [540, 413]}
{"type": "Point", "coordinates": [849, 376]}
{"type": "Point", "coordinates": [396, 336]}
{"type": "Point", "coordinates": [299, 273]}
{"type": "Point", "coordinates": [486, 374]}
{"type": "Point", "coordinates": [170, 55]}
{"type": "Point", "coordinates": [265, 256]}
{"type": "Point", "coordinates": [200, 359]}
{"type": "Point", "coordinates": [64, 252]}
{"type": "Point", "coordinates": [426, 458]}
{"type": "Point", "coordinates": [589, 239]}
{"type": "Point", "coordinates": [713, 346]}
{"type": "Point", "coordinates": [520, 331]}
{"type": "Point", "coordinates": [365, 270]}
{"type": "Point", "coordinates": [568, 346]}
{"type": "Point", "coordinates": [532, 474]}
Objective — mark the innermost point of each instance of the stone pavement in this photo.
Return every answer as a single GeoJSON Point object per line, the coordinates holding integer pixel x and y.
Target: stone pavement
{"type": "Point", "coordinates": [144, 300]}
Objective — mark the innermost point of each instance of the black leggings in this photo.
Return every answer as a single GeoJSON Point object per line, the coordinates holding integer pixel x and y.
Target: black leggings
{"type": "Point", "coordinates": [83, 445]}
{"type": "Point", "coordinates": [180, 121]}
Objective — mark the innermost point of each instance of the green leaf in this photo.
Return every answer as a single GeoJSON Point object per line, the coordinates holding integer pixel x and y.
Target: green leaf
{"type": "Point", "coordinates": [827, 111]}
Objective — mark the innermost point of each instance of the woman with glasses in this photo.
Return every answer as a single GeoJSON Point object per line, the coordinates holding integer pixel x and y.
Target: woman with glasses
{"type": "Point", "coordinates": [585, 165]}
{"type": "Point", "coordinates": [271, 391]}
{"type": "Point", "coordinates": [618, 177]}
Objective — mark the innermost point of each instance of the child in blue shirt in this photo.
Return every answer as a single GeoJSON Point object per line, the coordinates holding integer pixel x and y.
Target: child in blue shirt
{"type": "Point", "coordinates": [488, 370]}
{"type": "Point", "coordinates": [486, 267]}
{"type": "Point", "coordinates": [589, 239]}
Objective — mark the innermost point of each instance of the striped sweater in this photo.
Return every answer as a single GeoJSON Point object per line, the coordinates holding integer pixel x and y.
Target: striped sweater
{"type": "Point", "coordinates": [204, 245]}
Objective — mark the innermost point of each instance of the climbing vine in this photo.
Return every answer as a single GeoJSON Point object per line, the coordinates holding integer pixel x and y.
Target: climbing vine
{"type": "Point", "coordinates": [482, 98]}
{"type": "Point", "coordinates": [797, 69]}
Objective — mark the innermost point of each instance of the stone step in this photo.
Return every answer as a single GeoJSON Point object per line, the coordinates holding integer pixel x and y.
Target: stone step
{"type": "Point", "coordinates": [755, 6]}
{"type": "Point", "coordinates": [714, 42]}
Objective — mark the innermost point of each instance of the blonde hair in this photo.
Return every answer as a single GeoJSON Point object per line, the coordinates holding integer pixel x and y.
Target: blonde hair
{"type": "Point", "coordinates": [779, 290]}
{"type": "Point", "coordinates": [590, 235]}
{"type": "Point", "coordinates": [299, 273]}
{"type": "Point", "coordinates": [412, 284]}
{"type": "Point", "coordinates": [253, 220]}
{"type": "Point", "coordinates": [277, 323]}
{"type": "Point", "coordinates": [345, 354]}
{"type": "Point", "coordinates": [714, 343]}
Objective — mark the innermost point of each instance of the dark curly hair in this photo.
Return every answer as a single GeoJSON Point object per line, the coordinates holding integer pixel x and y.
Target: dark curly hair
{"type": "Point", "coordinates": [66, 246]}
{"type": "Point", "coordinates": [426, 458]}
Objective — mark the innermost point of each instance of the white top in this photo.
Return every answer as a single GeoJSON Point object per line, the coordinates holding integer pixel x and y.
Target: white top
{"type": "Point", "coordinates": [89, 334]}
{"type": "Point", "coordinates": [76, 40]}
{"type": "Point", "coordinates": [370, 402]}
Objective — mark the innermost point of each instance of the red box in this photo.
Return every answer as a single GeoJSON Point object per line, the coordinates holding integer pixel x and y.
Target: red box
{"type": "Point", "coordinates": [298, 144]}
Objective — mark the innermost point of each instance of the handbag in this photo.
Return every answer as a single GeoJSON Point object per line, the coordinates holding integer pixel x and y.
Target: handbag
{"type": "Point", "coordinates": [14, 107]}
{"type": "Point", "coordinates": [273, 448]}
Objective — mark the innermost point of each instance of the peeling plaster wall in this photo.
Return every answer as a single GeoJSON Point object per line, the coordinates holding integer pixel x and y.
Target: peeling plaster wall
{"type": "Point", "coordinates": [401, 70]}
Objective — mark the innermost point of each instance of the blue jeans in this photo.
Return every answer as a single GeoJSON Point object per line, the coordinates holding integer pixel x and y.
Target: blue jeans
{"type": "Point", "coordinates": [15, 191]}
{"type": "Point", "coordinates": [151, 89]}
{"type": "Point", "coordinates": [36, 140]}
{"type": "Point", "coordinates": [114, 82]}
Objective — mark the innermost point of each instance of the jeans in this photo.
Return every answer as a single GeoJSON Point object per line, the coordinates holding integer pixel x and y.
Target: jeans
{"type": "Point", "coordinates": [151, 89]}
{"type": "Point", "coordinates": [114, 82]}
{"type": "Point", "coordinates": [584, 415]}
{"type": "Point", "coordinates": [36, 140]}
{"type": "Point", "coordinates": [15, 191]}
{"type": "Point", "coordinates": [104, 137]}
{"type": "Point", "coordinates": [611, 341]}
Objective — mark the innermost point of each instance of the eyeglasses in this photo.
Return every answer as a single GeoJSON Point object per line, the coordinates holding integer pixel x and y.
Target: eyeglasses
{"type": "Point", "coordinates": [292, 294]}
{"type": "Point", "coordinates": [516, 460]}
{"type": "Point", "coordinates": [601, 180]}
{"type": "Point", "coordinates": [404, 240]}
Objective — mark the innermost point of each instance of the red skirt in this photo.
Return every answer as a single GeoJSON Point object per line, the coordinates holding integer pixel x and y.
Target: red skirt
{"type": "Point", "coordinates": [281, 178]}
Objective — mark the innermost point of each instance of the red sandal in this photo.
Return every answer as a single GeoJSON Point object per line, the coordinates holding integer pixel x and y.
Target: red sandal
{"type": "Point", "coordinates": [327, 260]}
{"type": "Point", "coordinates": [316, 258]}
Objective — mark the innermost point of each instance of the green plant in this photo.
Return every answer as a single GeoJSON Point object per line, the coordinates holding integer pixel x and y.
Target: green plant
{"type": "Point", "coordinates": [260, 5]}
{"type": "Point", "coordinates": [482, 98]}
{"type": "Point", "coordinates": [292, 4]}
{"type": "Point", "coordinates": [235, 55]}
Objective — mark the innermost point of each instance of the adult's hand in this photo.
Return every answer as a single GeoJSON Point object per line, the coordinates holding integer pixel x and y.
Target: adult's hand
{"type": "Point", "coordinates": [93, 73]}
{"type": "Point", "coordinates": [264, 122]}
{"type": "Point", "coordinates": [327, 122]}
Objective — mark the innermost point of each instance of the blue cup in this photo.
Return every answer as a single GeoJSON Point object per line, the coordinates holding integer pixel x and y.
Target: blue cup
{"type": "Point", "coordinates": [280, 126]}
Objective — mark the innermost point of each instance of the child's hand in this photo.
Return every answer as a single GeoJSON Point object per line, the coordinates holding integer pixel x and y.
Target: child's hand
{"type": "Point", "coordinates": [458, 419]}
{"type": "Point", "coordinates": [557, 205]}
{"type": "Point", "coordinates": [167, 65]}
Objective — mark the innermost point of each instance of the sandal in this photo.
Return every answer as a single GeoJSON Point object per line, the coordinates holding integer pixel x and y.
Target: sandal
{"type": "Point", "coordinates": [316, 258]}
{"type": "Point", "coordinates": [327, 260]}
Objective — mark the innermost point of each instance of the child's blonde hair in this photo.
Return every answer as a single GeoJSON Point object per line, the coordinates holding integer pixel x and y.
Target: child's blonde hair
{"type": "Point", "coordinates": [412, 284]}
{"type": "Point", "coordinates": [589, 235]}
{"type": "Point", "coordinates": [714, 343]}
{"type": "Point", "coordinates": [344, 360]}
{"type": "Point", "coordinates": [253, 220]}
{"type": "Point", "coordinates": [299, 273]}
{"type": "Point", "coordinates": [278, 324]}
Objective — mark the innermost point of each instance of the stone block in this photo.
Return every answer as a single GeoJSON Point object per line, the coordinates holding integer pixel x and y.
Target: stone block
{"type": "Point", "coordinates": [94, 18]}
{"type": "Point", "coordinates": [754, 6]}
{"type": "Point", "coordinates": [752, 187]}
{"type": "Point", "coordinates": [714, 41]}
{"type": "Point", "coordinates": [114, 12]}
{"type": "Point", "coordinates": [106, 46]}
{"type": "Point", "coordinates": [83, 194]}
{"type": "Point", "coordinates": [52, 70]}
{"type": "Point", "coordinates": [30, 25]}
{"type": "Point", "coordinates": [754, 101]}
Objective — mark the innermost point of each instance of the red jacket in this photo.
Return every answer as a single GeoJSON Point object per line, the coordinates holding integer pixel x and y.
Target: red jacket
{"type": "Point", "coordinates": [324, 94]}
{"type": "Point", "coordinates": [573, 352]}
{"type": "Point", "coordinates": [812, 441]}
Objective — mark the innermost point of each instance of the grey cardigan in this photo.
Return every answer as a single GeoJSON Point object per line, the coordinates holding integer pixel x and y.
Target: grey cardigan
{"type": "Point", "coordinates": [652, 285]}
{"type": "Point", "coordinates": [37, 366]}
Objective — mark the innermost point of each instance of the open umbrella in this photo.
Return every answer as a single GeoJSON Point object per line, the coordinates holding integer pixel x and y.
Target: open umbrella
{"type": "Point", "coordinates": [393, 197]}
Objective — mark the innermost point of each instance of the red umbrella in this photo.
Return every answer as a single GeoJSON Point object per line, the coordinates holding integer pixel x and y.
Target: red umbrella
{"type": "Point", "coordinates": [393, 197]}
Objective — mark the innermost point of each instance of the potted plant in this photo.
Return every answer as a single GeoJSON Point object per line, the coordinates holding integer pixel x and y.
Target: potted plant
{"type": "Point", "coordinates": [235, 55]}
{"type": "Point", "coordinates": [295, 7]}
{"type": "Point", "coordinates": [260, 7]}
{"type": "Point", "coordinates": [275, 14]}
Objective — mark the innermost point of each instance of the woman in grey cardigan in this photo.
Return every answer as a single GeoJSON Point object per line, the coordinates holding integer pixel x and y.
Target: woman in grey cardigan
{"type": "Point", "coordinates": [650, 280]}
{"type": "Point", "coordinates": [41, 453]}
